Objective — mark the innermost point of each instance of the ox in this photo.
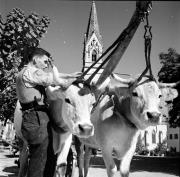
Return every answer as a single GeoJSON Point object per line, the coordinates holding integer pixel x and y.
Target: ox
{"type": "Point", "coordinates": [72, 105]}
{"type": "Point", "coordinates": [120, 115]}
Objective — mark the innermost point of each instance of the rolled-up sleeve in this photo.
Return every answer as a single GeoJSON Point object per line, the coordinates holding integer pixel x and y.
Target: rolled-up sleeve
{"type": "Point", "coordinates": [34, 76]}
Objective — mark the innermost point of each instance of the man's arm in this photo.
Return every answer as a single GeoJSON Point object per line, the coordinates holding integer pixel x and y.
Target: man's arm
{"type": "Point", "coordinates": [69, 76]}
{"type": "Point", "coordinates": [35, 76]}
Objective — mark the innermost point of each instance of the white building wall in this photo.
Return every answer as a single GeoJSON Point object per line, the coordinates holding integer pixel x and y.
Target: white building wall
{"type": "Point", "coordinates": [8, 131]}
{"type": "Point", "coordinates": [173, 139]}
{"type": "Point", "coordinates": [160, 134]}
{"type": "Point", "coordinates": [93, 44]}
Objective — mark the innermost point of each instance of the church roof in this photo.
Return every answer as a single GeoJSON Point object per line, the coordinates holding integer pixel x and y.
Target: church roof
{"type": "Point", "coordinates": [93, 26]}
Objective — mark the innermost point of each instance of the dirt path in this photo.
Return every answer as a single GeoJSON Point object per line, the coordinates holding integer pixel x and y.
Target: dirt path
{"type": "Point", "coordinates": [140, 166]}
{"type": "Point", "coordinates": [7, 166]}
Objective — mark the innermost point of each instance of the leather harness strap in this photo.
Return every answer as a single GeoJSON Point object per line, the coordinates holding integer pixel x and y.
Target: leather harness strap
{"type": "Point", "coordinates": [34, 105]}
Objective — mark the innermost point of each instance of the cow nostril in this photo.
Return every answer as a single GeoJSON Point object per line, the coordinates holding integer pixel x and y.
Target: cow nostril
{"type": "Point", "coordinates": [149, 115]}
{"type": "Point", "coordinates": [81, 128]}
{"type": "Point", "coordinates": [85, 128]}
{"type": "Point", "coordinates": [152, 115]}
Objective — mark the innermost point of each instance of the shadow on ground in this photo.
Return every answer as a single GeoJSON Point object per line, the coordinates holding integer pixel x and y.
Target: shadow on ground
{"type": "Point", "coordinates": [13, 170]}
{"type": "Point", "coordinates": [149, 164]}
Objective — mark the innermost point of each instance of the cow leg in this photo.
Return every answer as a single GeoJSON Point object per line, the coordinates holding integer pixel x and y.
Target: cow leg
{"type": "Point", "coordinates": [23, 160]}
{"type": "Point", "coordinates": [87, 157]}
{"type": "Point", "coordinates": [79, 147]}
{"type": "Point", "coordinates": [62, 157]}
{"type": "Point", "coordinates": [109, 162]}
{"type": "Point", "coordinates": [126, 160]}
{"type": "Point", "coordinates": [125, 165]}
{"type": "Point", "coordinates": [80, 160]}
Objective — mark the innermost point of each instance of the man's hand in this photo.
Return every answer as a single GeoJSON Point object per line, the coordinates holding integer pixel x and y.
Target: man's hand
{"type": "Point", "coordinates": [76, 74]}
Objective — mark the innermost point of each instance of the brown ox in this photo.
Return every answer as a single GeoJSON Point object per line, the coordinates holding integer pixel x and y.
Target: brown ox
{"type": "Point", "coordinates": [118, 119]}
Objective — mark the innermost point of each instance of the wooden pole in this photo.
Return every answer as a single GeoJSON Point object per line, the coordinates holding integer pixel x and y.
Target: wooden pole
{"type": "Point", "coordinates": [125, 38]}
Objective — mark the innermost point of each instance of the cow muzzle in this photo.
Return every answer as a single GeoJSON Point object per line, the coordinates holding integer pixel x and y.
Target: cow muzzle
{"type": "Point", "coordinates": [154, 117]}
{"type": "Point", "coordinates": [85, 130]}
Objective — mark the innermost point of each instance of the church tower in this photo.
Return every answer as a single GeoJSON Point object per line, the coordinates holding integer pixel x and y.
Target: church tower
{"type": "Point", "coordinates": [93, 46]}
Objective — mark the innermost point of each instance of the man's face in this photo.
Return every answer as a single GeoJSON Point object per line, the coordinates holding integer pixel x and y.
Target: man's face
{"type": "Point", "coordinates": [41, 62]}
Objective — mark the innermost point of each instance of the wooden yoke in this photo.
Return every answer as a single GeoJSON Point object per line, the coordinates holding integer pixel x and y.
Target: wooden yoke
{"type": "Point", "coordinates": [142, 7]}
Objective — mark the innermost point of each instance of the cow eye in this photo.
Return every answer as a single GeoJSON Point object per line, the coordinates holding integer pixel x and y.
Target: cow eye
{"type": "Point", "coordinates": [67, 100]}
{"type": "Point", "coordinates": [160, 96]}
{"type": "Point", "coordinates": [134, 94]}
{"type": "Point", "coordinates": [46, 62]}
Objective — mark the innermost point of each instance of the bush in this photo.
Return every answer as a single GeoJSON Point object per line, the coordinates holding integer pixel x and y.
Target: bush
{"type": "Point", "coordinates": [140, 148]}
{"type": "Point", "coordinates": [160, 150]}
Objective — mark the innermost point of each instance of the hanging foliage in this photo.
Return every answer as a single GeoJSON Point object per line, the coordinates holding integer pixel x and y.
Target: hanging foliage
{"type": "Point", "coordinates": [170, 72]}
{"type": "Point", "coordinates": [18, 33]}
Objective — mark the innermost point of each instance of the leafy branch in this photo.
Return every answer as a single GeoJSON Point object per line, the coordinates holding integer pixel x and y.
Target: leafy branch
{"type": "Point", "coordinates": [18, 33]}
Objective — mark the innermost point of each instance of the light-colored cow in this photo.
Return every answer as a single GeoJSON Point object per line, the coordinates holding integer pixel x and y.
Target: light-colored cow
{"type": "Point", "coordinates": [121, 114]}
{"type": "Point", "coordinates": [72, 105]}
{"type": "Point", "coordinates": [75, 103]}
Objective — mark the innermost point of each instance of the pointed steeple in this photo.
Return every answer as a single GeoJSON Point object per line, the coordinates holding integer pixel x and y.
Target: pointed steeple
{"type": "Point", "coordinates": [93, 46]}
{"type": "Point", "coordinates": [93, 26]}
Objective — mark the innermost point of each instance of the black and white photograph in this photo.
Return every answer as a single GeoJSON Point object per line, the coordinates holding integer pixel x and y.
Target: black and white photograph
{"type": "Point", "coordinates": [89, 88]}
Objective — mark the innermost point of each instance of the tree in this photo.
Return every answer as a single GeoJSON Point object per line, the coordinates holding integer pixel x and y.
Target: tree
{"type": "Point", "coordinates": [18, 34]}
{"type": "Point", "coordinates": [170, 72]}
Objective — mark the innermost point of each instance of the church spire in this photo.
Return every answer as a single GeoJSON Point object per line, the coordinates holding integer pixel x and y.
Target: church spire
{"type": "Point", "coordinates": [93, 26]}
{"type": "Point", "coordinates": [93, 46]}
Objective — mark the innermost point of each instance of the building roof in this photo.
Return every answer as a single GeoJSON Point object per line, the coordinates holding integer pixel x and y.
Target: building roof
{"type": "Point", "coordinates": [93, 26]}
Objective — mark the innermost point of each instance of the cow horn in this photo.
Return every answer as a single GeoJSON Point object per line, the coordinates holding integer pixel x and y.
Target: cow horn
{"type": "Point", "coordinates": [171, 85]}
{"type": "Point", "coordinates": [55, 74]}
{"type": "Point", "coordinates": [122, 80]}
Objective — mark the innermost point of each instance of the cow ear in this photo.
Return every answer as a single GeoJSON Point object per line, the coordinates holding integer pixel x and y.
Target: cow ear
{"type": "Point", "coordinates": [104, 85]}
{"type": "Point", "coordinates": [169, 93]}
{"type": "Point", "coordinates": [53, 93]}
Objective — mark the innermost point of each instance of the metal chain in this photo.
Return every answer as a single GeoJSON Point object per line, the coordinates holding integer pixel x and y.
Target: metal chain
{"type": "Point", "coordinates": [147, 27]}
{"type": "Point", "coordinates": [147, 43]}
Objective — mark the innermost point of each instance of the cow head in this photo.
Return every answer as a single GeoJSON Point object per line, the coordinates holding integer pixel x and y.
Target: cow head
{"type": "Point", "coordinates": [72, 102]}
{"type": "Point", "coordinates": [143, 99]}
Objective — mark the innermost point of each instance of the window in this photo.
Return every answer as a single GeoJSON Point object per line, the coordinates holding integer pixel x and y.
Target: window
{"type": "Point", "coordinates": [145, 138]}
{"type": "Point", "coordinates": [176, 136]}
{"type": "Point", "coordinates": [170, 136]}
{"type": "Point", "coordinates": [94, 55]}
{"type": "Point", "coordinates": [153, 137]}
{"type": "Point", "coordinates": [173, 149]}
{"type": "Point", "coordinates": [160, 136]}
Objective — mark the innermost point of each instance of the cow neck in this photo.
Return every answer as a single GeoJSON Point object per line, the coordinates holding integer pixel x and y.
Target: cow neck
{"type": "Point", "coordinates": [122, 107]}
{"type": "Point", "coordinates": [55, 110]}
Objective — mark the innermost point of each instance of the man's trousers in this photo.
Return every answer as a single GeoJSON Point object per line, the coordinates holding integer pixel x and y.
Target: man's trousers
{"type": "Point", "coordinates": [37, 131]}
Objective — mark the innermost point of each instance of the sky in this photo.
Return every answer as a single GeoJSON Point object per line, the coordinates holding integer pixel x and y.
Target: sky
{"type": "Point", "coordinates": [69, 19]}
